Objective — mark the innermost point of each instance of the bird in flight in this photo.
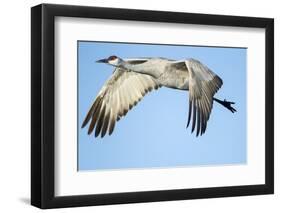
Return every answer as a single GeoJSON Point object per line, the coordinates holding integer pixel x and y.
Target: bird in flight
{"type": "Point", "coordinates": [132, 79]}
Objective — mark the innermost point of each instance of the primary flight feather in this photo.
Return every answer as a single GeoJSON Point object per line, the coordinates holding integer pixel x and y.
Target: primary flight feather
{"type": "Point", "coordinates": [132, 79]}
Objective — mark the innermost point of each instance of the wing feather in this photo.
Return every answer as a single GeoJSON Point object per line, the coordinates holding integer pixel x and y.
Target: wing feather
{"type": "Point", "coordinates": [120, 93]}
{"type": "Point", "coordinates": [203, 84]}
{"type": "Point", "coordinates": [100, 120]}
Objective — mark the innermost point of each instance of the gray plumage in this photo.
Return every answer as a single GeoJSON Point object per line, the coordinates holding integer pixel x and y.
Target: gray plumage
{"type": "Point", "coordinates": [132, 79]}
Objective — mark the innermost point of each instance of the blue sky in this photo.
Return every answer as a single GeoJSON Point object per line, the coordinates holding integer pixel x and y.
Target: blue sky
{"type": "Point", "coordinates": [153, 133]}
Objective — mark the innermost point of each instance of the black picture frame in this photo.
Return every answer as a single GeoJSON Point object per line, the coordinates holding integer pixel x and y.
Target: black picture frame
{"type": "Point", "coordinates": [43, 102]}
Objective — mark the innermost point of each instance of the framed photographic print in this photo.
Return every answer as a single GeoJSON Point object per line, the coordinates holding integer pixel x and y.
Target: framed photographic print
{"type": "Point", "coordinates": [140, 106]}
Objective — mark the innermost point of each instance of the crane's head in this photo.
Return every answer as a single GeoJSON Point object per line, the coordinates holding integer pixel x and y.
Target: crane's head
{"type": "Point", "coordinates": [112, 60]}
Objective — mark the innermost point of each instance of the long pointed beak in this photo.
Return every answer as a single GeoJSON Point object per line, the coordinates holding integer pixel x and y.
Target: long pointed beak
{"type": "Point", "coordinates": [102, 61]}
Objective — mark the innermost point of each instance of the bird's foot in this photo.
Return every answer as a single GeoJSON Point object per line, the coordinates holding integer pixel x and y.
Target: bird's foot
{"type": "Point", "coordinates": [227, 104]}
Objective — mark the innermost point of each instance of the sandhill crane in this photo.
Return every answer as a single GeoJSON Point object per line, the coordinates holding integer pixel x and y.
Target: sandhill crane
{"type": "Point", "coordinates": [132, 79]}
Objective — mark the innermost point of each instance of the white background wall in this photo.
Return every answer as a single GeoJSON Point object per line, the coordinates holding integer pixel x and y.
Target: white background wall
{"type": "Point", "coordinates": [15, 106]}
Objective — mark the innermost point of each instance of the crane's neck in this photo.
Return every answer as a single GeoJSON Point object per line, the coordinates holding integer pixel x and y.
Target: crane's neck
{"type": "Point", "coordinates": [127, 66]}
{"type": "Point", "coordinates": [135, 68]}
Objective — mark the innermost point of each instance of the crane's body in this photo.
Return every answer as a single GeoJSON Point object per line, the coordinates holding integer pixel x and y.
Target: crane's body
{"type": "Point", "coordinates": [133, 78]}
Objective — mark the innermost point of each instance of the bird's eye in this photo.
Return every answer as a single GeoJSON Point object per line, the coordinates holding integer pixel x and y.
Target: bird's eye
{"type": "Point", "coordinates": [112, 57]}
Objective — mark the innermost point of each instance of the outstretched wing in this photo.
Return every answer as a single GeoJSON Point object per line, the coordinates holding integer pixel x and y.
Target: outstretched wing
{"type": "Point", "coordinates": [203, 84]}
{"type": "Point", "coordinates": [119, 94]}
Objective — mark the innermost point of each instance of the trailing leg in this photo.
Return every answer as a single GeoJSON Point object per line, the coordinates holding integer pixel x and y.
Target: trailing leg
{"type": "Point", "coordinates": [226, 104]}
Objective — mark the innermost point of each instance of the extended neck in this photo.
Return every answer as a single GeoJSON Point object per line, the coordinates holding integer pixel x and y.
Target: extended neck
{"type": "Point", "coordinates": [127, 66]}
{"type": "Point", "coordinates": [135, 68]}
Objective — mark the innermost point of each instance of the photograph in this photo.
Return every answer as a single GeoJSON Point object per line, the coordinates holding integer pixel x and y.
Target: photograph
{"type": "Point", "coordinates": [143, 106]}
{"type": "Point", "coordinates": [136, 105]}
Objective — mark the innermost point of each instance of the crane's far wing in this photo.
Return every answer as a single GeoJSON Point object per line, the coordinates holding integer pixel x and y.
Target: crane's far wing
{"type": "Point", "coordinates": [120, 93]}
{"type": "Point", "coordinates": [203, 84]}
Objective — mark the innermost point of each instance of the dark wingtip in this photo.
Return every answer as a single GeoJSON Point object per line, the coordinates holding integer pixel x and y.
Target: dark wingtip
{"type": "Point", "coordinates": [84, 124]}
{"type": "Point", "coordinates": [189, 114]}
{"type": "Point", "coordinates": [193, 117]}
{"type": "Point", "coordinates": [86, 120]}
{"type": "Point", "coordinates": [89, 131]}
{"type": "Point", "coordinates": [96, 134]}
